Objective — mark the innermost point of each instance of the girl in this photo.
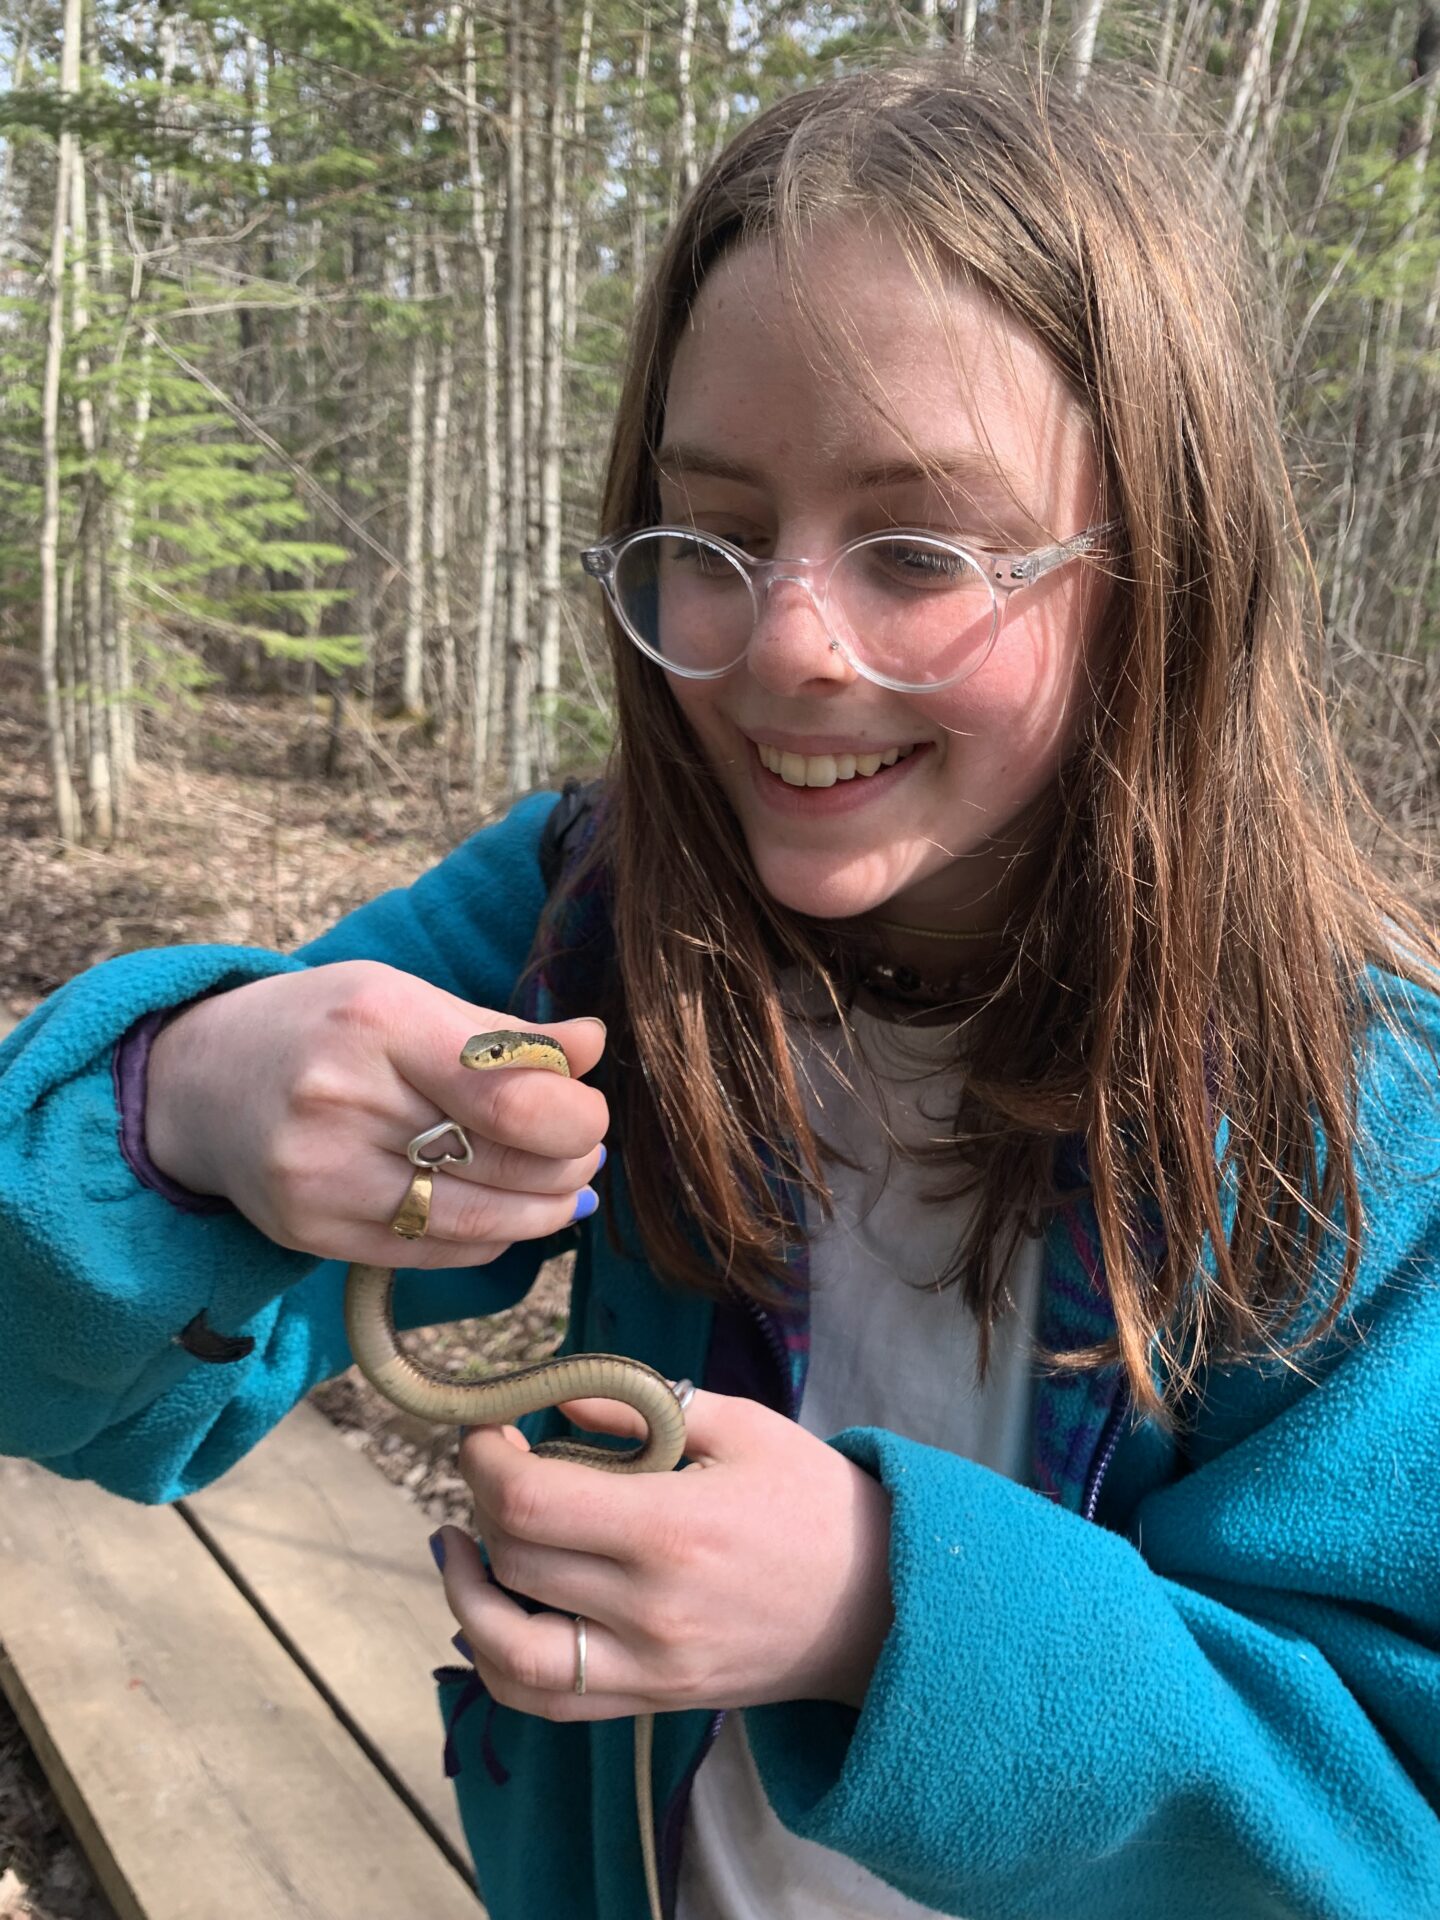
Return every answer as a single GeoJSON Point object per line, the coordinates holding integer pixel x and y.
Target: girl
{"type": "Point", "coordinates": [1019, 1099]}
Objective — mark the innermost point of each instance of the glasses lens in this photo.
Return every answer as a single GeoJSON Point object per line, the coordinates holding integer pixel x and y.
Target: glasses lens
{"type": "Point", "coordinates": [916, 612]}
{"type": "Point", "coordinates": [685, 600]}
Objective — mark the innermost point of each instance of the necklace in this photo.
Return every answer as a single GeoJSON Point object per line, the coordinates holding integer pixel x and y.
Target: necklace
{"type": "Point", "coordinates": [903, 984]}
{"type": "Point", "coordinates": [892, 980]}
{"type": "Point", "coordinates": [934, 933]}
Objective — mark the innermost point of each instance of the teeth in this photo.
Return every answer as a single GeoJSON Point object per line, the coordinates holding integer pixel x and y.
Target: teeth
{"type": "Point", "coordinates": [824, 769]}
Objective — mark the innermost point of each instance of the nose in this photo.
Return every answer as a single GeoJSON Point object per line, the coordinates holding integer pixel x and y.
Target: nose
{"type": "Point", "coordinates": [792, 645]}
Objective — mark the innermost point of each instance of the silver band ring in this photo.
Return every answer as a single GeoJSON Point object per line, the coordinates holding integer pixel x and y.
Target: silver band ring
{"type": "Point", "coordinates": [579, 1653]}
{"type": "Point", "coordinates": [415, 1153]}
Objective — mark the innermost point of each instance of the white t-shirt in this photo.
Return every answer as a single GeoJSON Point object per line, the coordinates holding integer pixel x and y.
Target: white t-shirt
{"type": "Point", "coordinates": [887, 1349]}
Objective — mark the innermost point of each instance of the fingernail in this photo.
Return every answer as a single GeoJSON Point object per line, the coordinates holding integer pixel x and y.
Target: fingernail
{"type": "Point", "coordinates": [462, 1646]}
{"type": "Point", "coordinates": [604, 1156]}
{"type": "Point", "coordinates": [586, 1201]}
{"type": "Point", "coordinates": [437, 1549]}
{"type": "Point", "coordinates": [593, 1020]}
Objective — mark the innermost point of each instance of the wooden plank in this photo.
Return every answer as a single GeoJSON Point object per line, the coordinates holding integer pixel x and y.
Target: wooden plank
{"type": "Point", "coordinates": [338, 1562]}
{"type": "Point", "coordinates": [207, 1777]}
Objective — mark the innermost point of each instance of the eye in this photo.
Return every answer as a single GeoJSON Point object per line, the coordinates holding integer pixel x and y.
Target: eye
{"type": "Point", "coordinates": [698, 554]}
{"type": "Point", "coordinates": [742, 534]}
{"type": "Point", "coordinates": [918, 565]}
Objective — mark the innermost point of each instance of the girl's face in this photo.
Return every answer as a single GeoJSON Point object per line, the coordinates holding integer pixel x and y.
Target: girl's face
{"type": "Point", "coordinates": [783, 458]}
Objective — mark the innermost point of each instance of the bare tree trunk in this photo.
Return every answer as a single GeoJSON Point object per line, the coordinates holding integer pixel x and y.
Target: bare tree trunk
{"type": "Point", "coordinates": [634, 181]}
{"type": "Point", "coordinates": [577, 132]}
{"type": "Point", "coordinates": [1167, 43]}
{"type": "Point", "coordinates": [1382, 451]}
{"type": "Point", "coordinates": [1348, 486]}
{"type": "Point", "coordinates": [537, 85]}
{"type": "Point", "coordinates": [1274, 105]}
{"type": "Point", "coordinates": [412, 691]}
{"type": "Point", "coordinates": [483, 660]}
{"type": "Point", "coordinates": [552, 412]}
{"type": "Point", "coordinates": [1082, 47]}
{"type": "Point", "coordinates": [71, 673]}
{"type": "Point", "coordinates": [683, 178]}
{"type": "Point", "coordinates": [117, 690]}
{"type": "Point", "coordinates": [18, 74]}
{"type": "Point", "coordinates": [1245, 108]}
{"type": "Point", "coordinates": [1196, 13]}
{"type": "Point", "coordinates": [440, 507]}
{"type": "Point", "coordinates": [518, 761]}
{"type": "Point", "coordinates": [89, 642]}
{"type": "Point", "coordinates": [720, 125]}
{"type": "Point", "coordinates": [1418, 606]}
{"type": "Point", "coordinates": [67, 809]}
{"type": "Point", "coordinates": [138, 429]}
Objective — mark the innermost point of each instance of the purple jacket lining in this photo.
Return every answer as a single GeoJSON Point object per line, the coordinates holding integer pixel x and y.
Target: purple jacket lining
{"type": "Point", "coordinates": [130, 1073]}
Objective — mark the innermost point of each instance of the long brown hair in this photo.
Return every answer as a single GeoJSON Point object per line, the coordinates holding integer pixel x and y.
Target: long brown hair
{"type": "Point", "coordinates": [1195, 943]}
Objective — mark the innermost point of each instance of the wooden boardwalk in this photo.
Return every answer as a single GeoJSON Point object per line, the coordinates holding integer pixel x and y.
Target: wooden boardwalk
{"type": "Point", "coordinates": [232, 1696]}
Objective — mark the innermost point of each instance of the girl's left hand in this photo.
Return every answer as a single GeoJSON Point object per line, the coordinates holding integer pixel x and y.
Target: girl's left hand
{"type": "Point", "coordinates": [760, 1572]}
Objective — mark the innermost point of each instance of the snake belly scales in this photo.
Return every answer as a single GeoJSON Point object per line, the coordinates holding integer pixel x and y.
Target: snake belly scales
{"type": "Point", "coordinates": [370, 1324]}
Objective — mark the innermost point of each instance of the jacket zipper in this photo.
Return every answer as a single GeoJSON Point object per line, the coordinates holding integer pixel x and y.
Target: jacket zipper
{"type": "Point", "coordinates": [778, 1352]}
{"type": "Point", "coordinates": [1109, 1441]}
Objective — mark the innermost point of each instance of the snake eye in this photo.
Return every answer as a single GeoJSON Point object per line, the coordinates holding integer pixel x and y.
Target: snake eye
{"type": "Point", "coordinates": [496, 1051]}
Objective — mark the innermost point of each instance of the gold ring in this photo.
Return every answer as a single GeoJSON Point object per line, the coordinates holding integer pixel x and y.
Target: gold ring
{"type": "Point", "coordinates": [413, 1214]}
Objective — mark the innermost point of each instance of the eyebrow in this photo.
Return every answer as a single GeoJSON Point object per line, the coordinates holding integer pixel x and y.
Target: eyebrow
{"type": "Point", "coordinates": [969, 467]}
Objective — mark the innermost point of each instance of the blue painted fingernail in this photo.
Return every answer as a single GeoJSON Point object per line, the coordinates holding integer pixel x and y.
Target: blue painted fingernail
{"type": "Point", "coordinates": [587, 1200]}
{"type": "Point", "coordinates": [604, 1156]}
{"type": "Point", "coordinates": [462, 1646]}
{"type": "Point", "coordinates": [437, 1549]}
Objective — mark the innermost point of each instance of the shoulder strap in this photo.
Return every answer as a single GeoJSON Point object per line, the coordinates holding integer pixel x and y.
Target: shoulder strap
{"type": "Point", "coordinates": [577, 799]}
{"type": "Point", "coordinates": [573, 939]}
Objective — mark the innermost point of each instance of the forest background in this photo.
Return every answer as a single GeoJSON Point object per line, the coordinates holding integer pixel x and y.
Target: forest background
{"type": "Point", "coordinates": [312, 315]}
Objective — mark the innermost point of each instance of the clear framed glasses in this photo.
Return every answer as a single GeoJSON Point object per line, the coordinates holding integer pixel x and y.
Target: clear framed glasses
{"type": "Point", "coordinates": [907, 609]}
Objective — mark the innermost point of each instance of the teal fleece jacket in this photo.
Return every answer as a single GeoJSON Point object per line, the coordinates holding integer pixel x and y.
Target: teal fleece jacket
{"type": "Point", "coordinates": [1198, 1679]}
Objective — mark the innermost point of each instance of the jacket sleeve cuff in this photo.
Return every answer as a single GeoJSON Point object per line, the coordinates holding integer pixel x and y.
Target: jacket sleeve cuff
{"type": "Point", "coordinates": [130, 1071]}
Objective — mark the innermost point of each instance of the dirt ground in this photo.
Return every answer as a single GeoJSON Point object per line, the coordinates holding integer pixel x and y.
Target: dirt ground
{"type": "Point", "coordinates": [233, 839]}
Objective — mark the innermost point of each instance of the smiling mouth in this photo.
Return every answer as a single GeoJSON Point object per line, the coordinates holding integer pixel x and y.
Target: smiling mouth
{"type": "Point", "coordinates": [825, 769]}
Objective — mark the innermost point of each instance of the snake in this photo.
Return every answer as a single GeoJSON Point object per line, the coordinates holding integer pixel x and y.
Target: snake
{"type": "Point", "coordinates": [375, 1347]}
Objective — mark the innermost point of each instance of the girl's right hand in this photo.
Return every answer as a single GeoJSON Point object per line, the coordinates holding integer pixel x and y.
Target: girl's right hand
{"type": "Point", "coordinates": [295, 1097]}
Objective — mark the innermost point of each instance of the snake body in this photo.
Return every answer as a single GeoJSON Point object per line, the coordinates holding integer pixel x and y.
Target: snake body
{"type": "Point", "coordinates": [370, 1324]}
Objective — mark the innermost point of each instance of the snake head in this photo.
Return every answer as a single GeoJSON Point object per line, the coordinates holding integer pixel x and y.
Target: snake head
{"type": "Point", "coordinates": [508, 1048]}
{"type": "Point", "coordinates": [511, 1049]}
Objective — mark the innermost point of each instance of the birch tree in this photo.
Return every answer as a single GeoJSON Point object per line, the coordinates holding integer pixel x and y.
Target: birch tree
{"type": "Point", "coordinates": [483, 650]}
{"type": "Point", "coordinates": [518, 743]}
{"type": "Point", "coordinates": [412, 690]}
{"type": "Point", "coordinates": [1082, 44]}
{"type": "Point", "coordinates": [66, 801]}
{"type": "Point", "coordinates": [552, 410]}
